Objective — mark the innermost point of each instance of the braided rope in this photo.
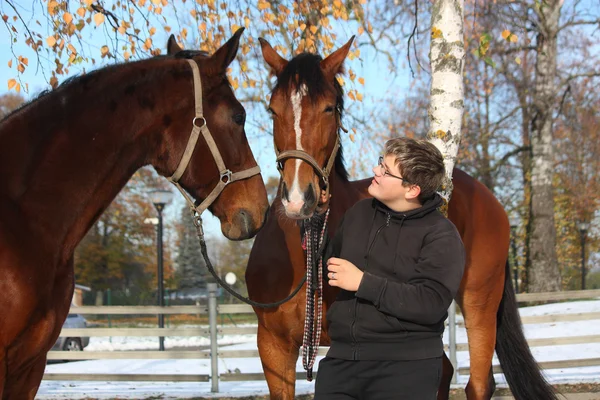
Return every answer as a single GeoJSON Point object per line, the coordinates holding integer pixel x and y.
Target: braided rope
{"type": "Point", "coordinates": [314, 239]}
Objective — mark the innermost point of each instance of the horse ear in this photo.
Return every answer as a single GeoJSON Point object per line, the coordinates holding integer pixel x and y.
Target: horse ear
{"type": "Point", "coordinates": [275, 61]}
{"type": "Point", "coordinates": [226, 53]}
{"type": "Point", "coordinates": [172, 46]}
{"type": "Point", "coordinates": [333, 63]}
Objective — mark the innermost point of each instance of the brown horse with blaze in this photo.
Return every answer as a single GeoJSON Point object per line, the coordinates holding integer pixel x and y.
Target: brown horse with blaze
{"type": "Point", "coordinates": [306, 105]}
{"type": "Point", "coordinates": [65, 156]}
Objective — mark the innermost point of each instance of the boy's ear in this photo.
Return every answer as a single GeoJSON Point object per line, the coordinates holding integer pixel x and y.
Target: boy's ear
{"type": "Point", "coordinates": [413, 192]}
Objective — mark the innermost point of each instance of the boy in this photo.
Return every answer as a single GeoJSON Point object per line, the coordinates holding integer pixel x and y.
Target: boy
{"type": "Point", "coordinates": [399, 263]}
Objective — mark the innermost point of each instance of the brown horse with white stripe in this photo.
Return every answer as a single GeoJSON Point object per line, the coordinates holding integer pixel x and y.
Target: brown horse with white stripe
{"type": "Point", "coordinates": [65, 156]}
{"type": "Point", "coordinates": [306, 105]}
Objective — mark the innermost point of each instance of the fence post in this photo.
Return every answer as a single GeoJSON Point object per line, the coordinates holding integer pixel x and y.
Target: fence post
{"type": "Point", "coordinates": [212, 321]}
{"type": "Point", "coordinates": [452, 339]}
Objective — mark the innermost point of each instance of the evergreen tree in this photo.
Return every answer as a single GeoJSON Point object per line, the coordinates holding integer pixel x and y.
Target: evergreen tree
{"type": "Point", "coordinates": [191, 268]}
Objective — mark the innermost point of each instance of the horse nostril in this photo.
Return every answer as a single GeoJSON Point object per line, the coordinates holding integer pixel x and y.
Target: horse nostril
{"type": "Point", "coordinates": [309, 196]}
{"type": "Point", "coordinates": [284, 192]}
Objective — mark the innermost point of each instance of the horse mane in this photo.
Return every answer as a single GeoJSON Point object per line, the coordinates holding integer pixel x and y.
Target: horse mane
{"type": "Point", "coordinates": [79, 79]}
{"type": "Point", "coordinates": [305, 69]}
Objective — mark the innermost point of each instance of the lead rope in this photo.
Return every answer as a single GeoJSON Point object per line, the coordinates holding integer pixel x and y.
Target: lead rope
{"type": "Point", "coordinates": [211, 269]}
{"type": "Point", "coordinates": [314, 239]}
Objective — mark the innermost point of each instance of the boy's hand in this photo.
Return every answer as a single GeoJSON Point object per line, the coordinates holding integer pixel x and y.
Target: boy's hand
{"type": "Point", "coordinates": [343, 274]}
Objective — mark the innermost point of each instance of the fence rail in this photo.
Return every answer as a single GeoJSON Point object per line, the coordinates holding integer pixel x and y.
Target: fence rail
{"type": "Point", "coordinates": [212, 331]}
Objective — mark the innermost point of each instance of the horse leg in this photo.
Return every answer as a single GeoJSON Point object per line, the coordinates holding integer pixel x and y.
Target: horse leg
{"type": "Point", "coordinates": [480, 321]}
{"type": "Point", "coordinates": [447, 372]}
{"type": "Point", "coordinates": [26, 384]}
{"type": "Point", "coordinates": [278, 357]}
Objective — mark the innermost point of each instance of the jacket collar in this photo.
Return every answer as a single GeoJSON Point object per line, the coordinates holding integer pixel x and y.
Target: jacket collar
{"type": "Point", "coordinates": [428, 206]}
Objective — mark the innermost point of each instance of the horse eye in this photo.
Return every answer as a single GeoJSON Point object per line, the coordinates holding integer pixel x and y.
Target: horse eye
{"type": "Point", "coordinates": [329, 109]}
{"type": "Point", "coordinates": [271, 111]}
{"type": "Point", "coordinates": [239, 119]}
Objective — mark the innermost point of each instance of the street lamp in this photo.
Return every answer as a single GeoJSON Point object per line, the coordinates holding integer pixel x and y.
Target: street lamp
{"type": "Point", "coordinates": [160, 198]}
{"type": "Point", "coordinates": [583, 227]}
{"type": "Point", "coordinates": [514, 224]}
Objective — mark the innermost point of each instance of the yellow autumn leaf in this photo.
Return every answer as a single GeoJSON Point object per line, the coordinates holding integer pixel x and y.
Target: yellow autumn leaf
{"type": "Point", "coordinates": [505, 34]}
{"type": "Point", "coordinates": [155, 2]}
{"type": "Point", "coordinates": [148, 43]}
{"type": "Point", "coordinates": [263, 5]}
{"type": "Point", "coordinates": [98, 19]}
{"type": "Point", "coordinates": [5, 17]}
{"type": "Point", "coordinates": [518, 60]}
{"type": "Point", "coordinates": [10, 63]}
{"type": "Point", "coordinates": [337, 3]}
{"type": "Point", "coordinates": [361, 30]}
{"type": "Point", "coordinates": [235, 84]}
{"type": "Point", "coordinates": [351, 95]}
{"type": "Point", "coordinates": [51, 7]}
{"type": "Point", "coordinates": [436, 33]}
{"type": "Point", "coordinates": [81, 12]}
{"type": "Point", "coordinates": [126, 55]}
{"type": "Point", "coordinates": [202, 27]}
{"type": "Point", "coordinates": [104, 50]}
{"type": "Point", "coordinates": [71, 48]}
{"type": "Point", "coordinates": [51, 41]}
{"type": "Point", "coordinates": [152, 31]}
{"type": "Point", "coordinates": [361, 81]}
{"type": "Point", "coordinates": [359, 96]}
{"type": "Point", "coordinates": [514, 38]}
{"type": "Point", "coordinates": [18, 87]}
{"type": "Point", "coordinates": [313, 29]}
{"type": "Point", "coordinates": [25, 61]}
{"type": "Point", "coordinates": [11, 83]}
{"type": "Point", "coordinates": [122, 30]}
{"type": "Point", "coordinates": [67, 17]}
{"type": "Point", "coordinates": [53, 82]}
{"type": "Point", "coordinates": [167, 29]}
{"type": "Point", "coordinates": [352, 137]}
{"type": "Point", "coordinates": [234, 28]}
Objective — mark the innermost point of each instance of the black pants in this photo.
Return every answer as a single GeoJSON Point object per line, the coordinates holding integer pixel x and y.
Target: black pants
{"type": "Point", "coordinates": [378, 380]}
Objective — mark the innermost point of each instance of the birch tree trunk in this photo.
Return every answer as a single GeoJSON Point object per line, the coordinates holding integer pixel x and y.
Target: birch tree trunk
{"type": "Point", "coordinates": [545, 275]}
{"type": "Point", "coordinates": [447, 57]}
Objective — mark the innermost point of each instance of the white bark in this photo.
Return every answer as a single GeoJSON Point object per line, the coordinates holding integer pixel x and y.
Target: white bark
{"type": "Point", "coordinates": [447, 56]}
{"type": "Point", "coordinates": [545, 275]}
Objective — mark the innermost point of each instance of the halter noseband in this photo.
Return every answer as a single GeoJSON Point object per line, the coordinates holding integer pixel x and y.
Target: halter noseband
{"type": "Point", "coordinates": [199, 126]}
{"type": "Point", "coordinates": [323, 173]}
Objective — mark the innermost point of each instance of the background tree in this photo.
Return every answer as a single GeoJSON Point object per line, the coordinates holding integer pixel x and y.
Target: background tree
{"type": "Point", "coordinates": [9, 102]}
{"type": "Point", "coordinates": [191, 272]}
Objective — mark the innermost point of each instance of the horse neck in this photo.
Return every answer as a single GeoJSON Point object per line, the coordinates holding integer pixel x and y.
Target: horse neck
{"type": "Point", "coordinates": [65, 157]}
{"type": "Point", "coordinates": [343, 196]}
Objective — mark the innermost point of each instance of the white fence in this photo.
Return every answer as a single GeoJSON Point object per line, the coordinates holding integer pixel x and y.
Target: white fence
{"type": "Point", "coordinates": [212, 309]}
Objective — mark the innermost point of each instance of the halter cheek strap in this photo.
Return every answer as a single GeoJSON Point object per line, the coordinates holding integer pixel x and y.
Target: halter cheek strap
{"type": "Point", "coordinates": [304, 156]}
{"type": "Point", "coordinates": [199, 126]}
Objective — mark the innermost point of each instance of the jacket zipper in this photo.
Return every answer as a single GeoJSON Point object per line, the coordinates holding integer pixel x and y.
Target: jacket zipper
{"type": "Point", "coordinates": [353, 325]}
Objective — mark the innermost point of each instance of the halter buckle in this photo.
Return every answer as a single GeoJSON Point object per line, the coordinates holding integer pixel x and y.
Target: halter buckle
{"type": "Point", "coordinates": [227, 175]}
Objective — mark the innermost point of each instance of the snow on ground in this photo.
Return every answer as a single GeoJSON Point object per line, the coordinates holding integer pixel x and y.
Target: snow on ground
{"type": "Point", "coordinates": [136, 390]}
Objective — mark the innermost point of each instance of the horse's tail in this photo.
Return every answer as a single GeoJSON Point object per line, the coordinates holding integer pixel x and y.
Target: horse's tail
{"type": "Point", "coordinates": [522, 373]}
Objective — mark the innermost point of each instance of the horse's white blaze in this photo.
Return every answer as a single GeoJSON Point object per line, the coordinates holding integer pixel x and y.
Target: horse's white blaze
{"type": "Point", "coordinates": [296, 195]}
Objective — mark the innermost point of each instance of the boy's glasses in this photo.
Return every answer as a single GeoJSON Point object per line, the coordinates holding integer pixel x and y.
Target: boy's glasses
{"type": "Point", "coordinates": [386, 172]}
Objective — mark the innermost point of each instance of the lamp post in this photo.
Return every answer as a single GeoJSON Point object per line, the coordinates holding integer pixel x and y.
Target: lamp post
{"type": "Point", "coordinates": [514, 223]}
{"type": "Point", "coordinates": [160, 198]}
{"type": "Point", "coordinates": [583, 227]}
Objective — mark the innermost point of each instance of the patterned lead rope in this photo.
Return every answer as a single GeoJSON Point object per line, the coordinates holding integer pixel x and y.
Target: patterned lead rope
{"type": "Point", "coordinates": [314, 293]}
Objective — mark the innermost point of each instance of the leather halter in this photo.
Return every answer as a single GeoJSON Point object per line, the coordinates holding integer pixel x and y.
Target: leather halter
{"type": "Point", "coordinates": [199, 126]}
{"type": "Point", "coordinates": [304, 156]}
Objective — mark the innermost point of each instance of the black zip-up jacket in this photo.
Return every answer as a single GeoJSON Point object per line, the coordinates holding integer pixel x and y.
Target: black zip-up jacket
{"type": "Point", "coordinates": [413, 263]}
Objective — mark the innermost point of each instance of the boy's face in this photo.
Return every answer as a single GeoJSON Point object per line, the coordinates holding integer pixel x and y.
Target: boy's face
{"type": "Point", "coordinates": [387, 186]}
